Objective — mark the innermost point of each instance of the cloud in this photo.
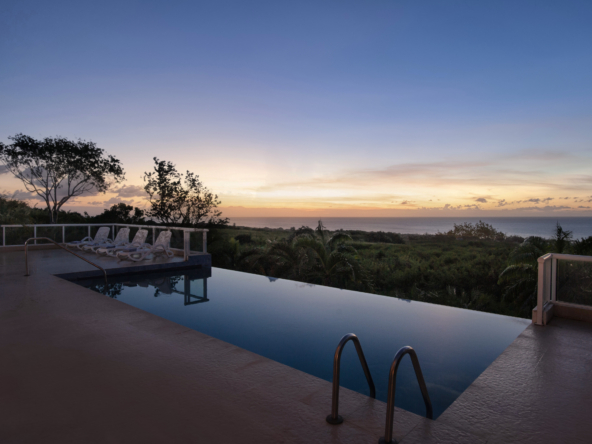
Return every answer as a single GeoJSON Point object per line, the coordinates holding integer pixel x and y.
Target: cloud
{"type": "Point", "coordinates": [491, 172]}
{"type": "Point", "coordinates": [450, 207]}
{"type": "Point", "coordinates": [502, 203]}
{"type": "Point", "coordinates": [481, 199]}
{"type": "Point", "coordinates": [24, 195]}
{"type": "Point", "coordinates": [3, 169]}
{"type": "Point", "coordinates": [407, 202]}
{"type": "Point", "coordinates": [130, 191]}
{"type": "Point", "coordinates": [546, 208]}
{"type": "Point", "coordinates": [115, 200]}
{"type": "Point", "coordinates": [583, 207]}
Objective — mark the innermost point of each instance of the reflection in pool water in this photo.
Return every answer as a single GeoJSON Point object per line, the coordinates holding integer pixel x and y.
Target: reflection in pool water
{"type": "Point", "coordinates": [301, 324]}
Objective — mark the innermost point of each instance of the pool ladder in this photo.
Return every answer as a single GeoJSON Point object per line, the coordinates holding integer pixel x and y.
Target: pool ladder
{"type": "Point", "coordinates": [335, 418]}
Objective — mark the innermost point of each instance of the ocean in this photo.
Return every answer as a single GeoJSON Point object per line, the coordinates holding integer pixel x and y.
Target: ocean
{"type": "Point", "coordinates": [519, 226]}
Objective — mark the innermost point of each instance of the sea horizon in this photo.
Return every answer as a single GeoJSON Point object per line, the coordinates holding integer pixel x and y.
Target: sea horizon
{"type": "Point", "coordinates": [512, 226]}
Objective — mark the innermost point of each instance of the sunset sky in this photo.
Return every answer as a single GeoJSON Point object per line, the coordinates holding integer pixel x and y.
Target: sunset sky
{"type": "Point", "coordinates": [321, 108]}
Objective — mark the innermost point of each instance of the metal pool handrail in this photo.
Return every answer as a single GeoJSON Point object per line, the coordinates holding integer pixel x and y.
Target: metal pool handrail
{"type": "Point", "coordinates": [63, 248]}
{"type": "Point", "coordinates": [390, 406]}
{"type": "Point", "coordinates": [334, 417]}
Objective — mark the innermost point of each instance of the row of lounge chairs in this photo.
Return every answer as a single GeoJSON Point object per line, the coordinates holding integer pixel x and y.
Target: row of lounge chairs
{"type": "Point", "coordinates": [121, 248]}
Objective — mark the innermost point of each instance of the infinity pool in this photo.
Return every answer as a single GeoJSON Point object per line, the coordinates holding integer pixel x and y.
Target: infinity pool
{"type": "Point", "coordinates": [300, 325]}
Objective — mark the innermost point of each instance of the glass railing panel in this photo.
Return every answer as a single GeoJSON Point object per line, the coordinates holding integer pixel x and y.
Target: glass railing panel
{"type": "Point", "coordinates": [574, 282]}
{"type": "Point", "coordinates": [18, 235]}
{"type": "Point", "coordinates": [54, 233]}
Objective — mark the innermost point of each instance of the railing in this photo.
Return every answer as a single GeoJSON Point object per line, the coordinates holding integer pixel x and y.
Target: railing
{"type": "Point", "coordinates": [392, 385]}
{"type": "Point", "coordinates": [547, 283]}
{"type": "Point", "coordinates": [334, 417]}
{"type": "Point", "coordinates": [54, 242]}
{"type": "Point", "coordinates": [186, 232]}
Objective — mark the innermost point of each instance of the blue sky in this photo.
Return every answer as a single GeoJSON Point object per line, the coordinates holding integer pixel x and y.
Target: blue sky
{"type": "Point", "coordinates": [329, 107]}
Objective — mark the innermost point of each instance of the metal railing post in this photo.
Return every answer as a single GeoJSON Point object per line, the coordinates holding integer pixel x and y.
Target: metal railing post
{"type": "Point", "coordinates": [35, 233]}
{"type": "Point", "coordinates": [186, 285]}
{"type": "Point", "coordinates": [392, 385]}
{"type": "Point", "coordinates": [553, 279]}
{"type": "Point", "coordinates": [89, 231]}
{"type": "Point", "coordinates": [3, 236]}
{"type": "Point", "coordinates": [205, 241]}
{"type": "Point", "coordinates": [186, 244]}
{"type": "Point", "coordinates": [334, 418]}
{"type": "Point", "coordinates": [63, 234]}
{"type": "Point", "coordinates": [540, 290]}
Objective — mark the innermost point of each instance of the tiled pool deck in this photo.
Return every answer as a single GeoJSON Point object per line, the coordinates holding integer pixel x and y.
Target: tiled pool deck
{"type": "Point", "coordinates": [94, 370]}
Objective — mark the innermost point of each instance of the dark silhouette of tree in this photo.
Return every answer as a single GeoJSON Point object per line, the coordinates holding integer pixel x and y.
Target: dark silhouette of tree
{"type": "Point", "coordinates": [13, 211]}
{"type": "Point", "coordinates": [317, 257]}
{"type": "Point", "coordinates": [120, 213]}
{"type": "Point", "coordinates": [480, 230]}
{"type": "Point", "coordinates": [57, 169]}
{"type": "Point", "coordinates": [562, 239]}
{"type": "Point", "coordinates": [175, 199]}
{"type": "Point", "coordinates": [583, 246]}
{"type": "Point", "coordinates": [520, 278]}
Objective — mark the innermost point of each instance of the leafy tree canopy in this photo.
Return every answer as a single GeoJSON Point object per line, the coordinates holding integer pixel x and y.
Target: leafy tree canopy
{"type": "Point", "coordinates": [120, 213]}
{"type": "Point", "coordinates": [13, 211]}
{"type": "Point", "coordinates": [178, 199]}
{"type": "Point", "coordinates": [57, 169]}
{"type": "Point", "coordinates": [480, 230]}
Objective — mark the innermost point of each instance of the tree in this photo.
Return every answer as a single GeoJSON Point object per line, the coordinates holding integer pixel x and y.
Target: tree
{"type": "Point", "coordinates": [480, 230]}
{"type": "Point", "coordinates": [120, 213]}
{"type": "Point", "coordinates": [175, 199]}
{"type": "Point", "coordinates": [562, 239]}
{"type": "Point", "coordinates": [13, 211]}
{"type": "Point", "coordinates": [57, 169]}
{"type": "Point", "coordinates": [319, 258]}
{"type": "Point", "coordinates": [520, 277]}
{"type": "Point", "coordinates": [583, 246]}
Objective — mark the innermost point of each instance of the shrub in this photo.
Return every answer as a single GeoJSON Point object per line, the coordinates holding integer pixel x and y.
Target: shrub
{"type": "Point", "coordinates": [480, 230]}
{"type": "Point", "coordinates": [386, 238]}
{"type": "Point", "coordinates": [244, 239]}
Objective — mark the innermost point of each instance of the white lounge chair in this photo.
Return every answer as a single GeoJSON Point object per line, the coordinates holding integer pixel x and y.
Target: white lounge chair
{"type": "Point", "coordinates": [160, 248]}
{"type": "Point", "coordinates": [121, 239]}
{"type": "Point", "coordinates": [137, 242]}
{"type": "Point", "coordinates": [101, 236]}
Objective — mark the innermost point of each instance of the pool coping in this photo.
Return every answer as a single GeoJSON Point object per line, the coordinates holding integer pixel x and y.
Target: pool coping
{"type": "Point", "coordinates": [193, 262]}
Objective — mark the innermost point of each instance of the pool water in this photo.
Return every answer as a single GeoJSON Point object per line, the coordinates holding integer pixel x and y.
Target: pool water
{"type": "Point", "coordinates": [300, 325]}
